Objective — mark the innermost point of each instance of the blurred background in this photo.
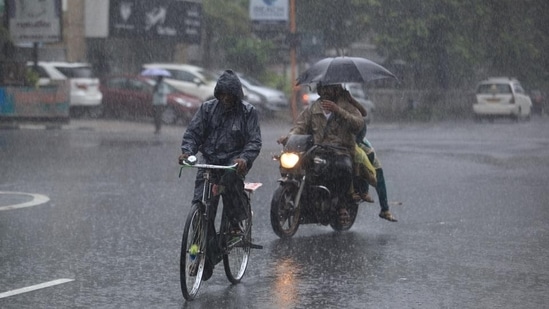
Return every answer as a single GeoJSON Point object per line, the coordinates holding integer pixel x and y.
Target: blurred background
{"type": "Point", "coordinates": [439, 49]}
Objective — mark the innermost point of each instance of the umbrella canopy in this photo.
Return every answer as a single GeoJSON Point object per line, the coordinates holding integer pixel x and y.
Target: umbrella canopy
{"type": "Point", "coordinates": [155, 72]}
{"type": "Point", "coordinates": [338, 70]}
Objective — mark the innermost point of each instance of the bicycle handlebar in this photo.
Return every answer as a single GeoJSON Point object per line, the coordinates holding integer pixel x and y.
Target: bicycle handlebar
{"type": "Point", "coordinates": [189, 163]}
{"type": "Point", "coordinates": [210, 166]}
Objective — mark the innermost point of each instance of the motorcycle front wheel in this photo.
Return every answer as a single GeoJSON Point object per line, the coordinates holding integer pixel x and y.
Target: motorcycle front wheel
{"type": "Point", "coordinates": [284, 213]}
{"type": "Point", "coordinates": [339, 226]}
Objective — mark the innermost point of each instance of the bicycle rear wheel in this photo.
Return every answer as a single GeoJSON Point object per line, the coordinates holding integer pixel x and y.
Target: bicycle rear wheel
{"type": "Point", "coordinates": [193, 252]}
{"type": "Point", "coordinates": [237, 253]}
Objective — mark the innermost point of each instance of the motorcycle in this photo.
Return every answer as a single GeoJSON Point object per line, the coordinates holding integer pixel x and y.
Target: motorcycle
{"type": "Point", "coordinates": [303, 195]}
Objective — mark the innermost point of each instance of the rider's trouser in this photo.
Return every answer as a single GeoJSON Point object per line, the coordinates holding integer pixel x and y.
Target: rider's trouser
{"type": "Point", "coordinates": [231, 188]}
{"type": "Point", "coordinates": [340, 175]}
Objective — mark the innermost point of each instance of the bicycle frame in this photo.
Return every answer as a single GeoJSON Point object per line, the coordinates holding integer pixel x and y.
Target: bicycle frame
{"type": "Point", "coordinates": [207, 191]}
{"type": "Point", "coordinates": [214, 244]}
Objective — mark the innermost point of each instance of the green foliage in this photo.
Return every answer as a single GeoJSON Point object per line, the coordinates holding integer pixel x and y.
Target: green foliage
{"type": "Point", "coordinates": [436, 43]}
{"type": "Point", "coordinates": [452, 42]}
{"type": "Point", "coordinates": [247, 55]}
{"type": "Point", "coordinates": [32, 77]}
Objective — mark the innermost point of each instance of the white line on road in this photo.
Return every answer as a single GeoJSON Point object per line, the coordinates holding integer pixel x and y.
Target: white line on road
{"type": "Point", "coordinates": [37, 199]}
{"type": "Point", "coordinates": [34, 287]}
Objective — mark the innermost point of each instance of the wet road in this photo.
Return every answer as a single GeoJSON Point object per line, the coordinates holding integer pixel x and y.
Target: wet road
{"type": "Point", "coordinates": [105, 232]}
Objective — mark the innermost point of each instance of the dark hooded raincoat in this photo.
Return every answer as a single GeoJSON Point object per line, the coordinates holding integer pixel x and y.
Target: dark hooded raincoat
{"type": "Point", "coordinates": [221, 135]}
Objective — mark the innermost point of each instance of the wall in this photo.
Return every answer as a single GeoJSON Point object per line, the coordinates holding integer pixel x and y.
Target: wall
{"type": "Point", "coordinates": [428, 105]}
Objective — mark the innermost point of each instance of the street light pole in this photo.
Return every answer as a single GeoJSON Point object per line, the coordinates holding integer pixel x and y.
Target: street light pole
{"type": "Point", "coordinates": [293, 45]}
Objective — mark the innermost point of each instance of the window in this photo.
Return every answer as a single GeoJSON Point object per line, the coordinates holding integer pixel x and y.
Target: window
{"type": "Point", "coordinates": [494, 88]}
{"type": "Point", "coordinates": [183, 76]}
{"type": "Point", "coordinates": [518, 88]}
{"type": "Point", "coordinates": [76, 72]}
{"type": "Point", "coordinates": [41, 72]}
{"type": "Point", "coordinates": [138, 86]}
{"type": "Point", "coordinates": [117, 83]}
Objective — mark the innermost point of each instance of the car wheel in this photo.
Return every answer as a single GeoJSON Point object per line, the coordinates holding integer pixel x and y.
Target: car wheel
{"type": "Point", "coordinates": [95, 112]}
{"type": "Point", "coordinates": [77, 111]}
{"type": "Point", "coordinates": [169, 116]}
{"type": "Point", "coordinates": [477, 118]}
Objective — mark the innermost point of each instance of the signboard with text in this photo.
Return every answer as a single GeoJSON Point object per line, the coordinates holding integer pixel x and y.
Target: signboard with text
{"type": "Point", "coordinates": [34, 21]}
{"type": "Point", "coordinates": [269, 15]}
{"type": "Point", "coordinates": [156, 19]}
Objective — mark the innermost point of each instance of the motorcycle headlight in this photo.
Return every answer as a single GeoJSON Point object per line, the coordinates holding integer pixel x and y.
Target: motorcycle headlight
{"type": "Point", "coordinates": [288, 160]}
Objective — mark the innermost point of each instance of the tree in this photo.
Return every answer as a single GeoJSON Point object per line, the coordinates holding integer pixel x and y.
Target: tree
{"type": "Point", "coordinates": [454, 42]}
{"type": "Point", "coordinates": [222, 21]}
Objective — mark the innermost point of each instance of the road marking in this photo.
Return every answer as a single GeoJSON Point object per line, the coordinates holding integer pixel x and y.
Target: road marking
{"type": "Point", "coordinates": [34, 287]}
{"type": "Point", "coordinates": [38, 199]}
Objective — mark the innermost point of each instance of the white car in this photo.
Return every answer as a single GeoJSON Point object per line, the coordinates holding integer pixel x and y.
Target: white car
{"type": "Point", "coordinates": [501, 97]}
{"type": "Point", "coordinates": [188, 79]}
{"type": "Point", "coordinates": [85, 96]}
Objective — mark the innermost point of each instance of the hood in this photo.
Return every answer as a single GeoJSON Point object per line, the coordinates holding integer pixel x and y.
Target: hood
{"type": "Point", "coordinates": [229, 83]}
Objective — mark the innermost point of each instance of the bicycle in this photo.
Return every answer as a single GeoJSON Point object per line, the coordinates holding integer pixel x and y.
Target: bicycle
{"type": "Point", "coordinates": [202, 240]}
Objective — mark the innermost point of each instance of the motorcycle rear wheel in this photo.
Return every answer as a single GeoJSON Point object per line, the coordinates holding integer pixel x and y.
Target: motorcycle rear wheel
{"type": "Point", "coordinates": [284, 215]}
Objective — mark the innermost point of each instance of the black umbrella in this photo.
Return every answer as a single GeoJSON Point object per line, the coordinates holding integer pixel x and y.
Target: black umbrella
{"type": "Point", "coordinates": [338, 70]}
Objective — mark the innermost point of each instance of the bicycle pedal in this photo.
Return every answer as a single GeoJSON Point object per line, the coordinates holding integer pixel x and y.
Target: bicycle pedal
{"type": "Point", "coordinates": [254, 246]}
{"type": "Point", "coordinates": [233, 241]}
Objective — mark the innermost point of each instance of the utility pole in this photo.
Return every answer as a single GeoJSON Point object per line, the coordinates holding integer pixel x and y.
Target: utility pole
{"type": "Point", "coordinates": [293, 45]}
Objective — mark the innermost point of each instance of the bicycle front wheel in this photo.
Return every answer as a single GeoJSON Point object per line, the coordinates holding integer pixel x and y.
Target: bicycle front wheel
{"type": "Point", "coordinates": [237, 254]}
{"type": "Point", "coordinates": [193, 252]}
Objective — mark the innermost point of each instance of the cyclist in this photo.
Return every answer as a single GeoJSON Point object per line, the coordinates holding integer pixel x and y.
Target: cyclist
{"type": "Point", "coordinates": [225, 130]}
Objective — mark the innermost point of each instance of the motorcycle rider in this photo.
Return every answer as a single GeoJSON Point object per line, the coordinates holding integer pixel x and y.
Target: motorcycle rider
{"type": "Point", "coordinates": [368, 157]}
{"type": "Point", "coordinates": [332, 120]}
{"type": "Point", "coordinates": [226, 131]}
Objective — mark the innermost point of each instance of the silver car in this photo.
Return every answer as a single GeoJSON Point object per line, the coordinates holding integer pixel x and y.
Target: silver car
{"type": "Point", "coordinates": [265, 98]}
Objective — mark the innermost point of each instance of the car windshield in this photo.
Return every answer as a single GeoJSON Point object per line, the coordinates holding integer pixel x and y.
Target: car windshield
{"type": "Point", "coordinates": [208, 76]}
{"type": "Point", "coordinates": [252, 81]}
{"type": "Point", "coordinates": [494, 89]}
{"type": "Point", "coordinates": [76, 72]}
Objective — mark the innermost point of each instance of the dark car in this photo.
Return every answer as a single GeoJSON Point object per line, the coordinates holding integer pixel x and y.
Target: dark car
{"type": "Point", "coordinates": [131, 97]}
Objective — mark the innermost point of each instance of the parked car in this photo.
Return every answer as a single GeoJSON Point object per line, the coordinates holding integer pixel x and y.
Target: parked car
{"type": "Point", "coordinates": [128, 96]}
{"type": "Point", "coordinates": [266, 99]}
{"type": "Point", "coordinates": [501, 97]}
{"type": "Point", "coordinates": [308, 95]}
{"type": "Point", "coordinates": [189, 79]}
{"type": "Point", "coordinates": [85, 96]}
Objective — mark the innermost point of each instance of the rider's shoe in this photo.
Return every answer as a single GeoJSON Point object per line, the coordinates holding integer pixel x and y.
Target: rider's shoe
{"type": "Point", "coordinates": [387, 216]}
{"type": "Point", "coordinates": [366, 197]}
{"type": "Point", "coordinates": [236, 229]}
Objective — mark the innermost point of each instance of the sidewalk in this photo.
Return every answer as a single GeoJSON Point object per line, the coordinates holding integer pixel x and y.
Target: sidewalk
{"type": "Point", "coordinates": [98, 125]}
